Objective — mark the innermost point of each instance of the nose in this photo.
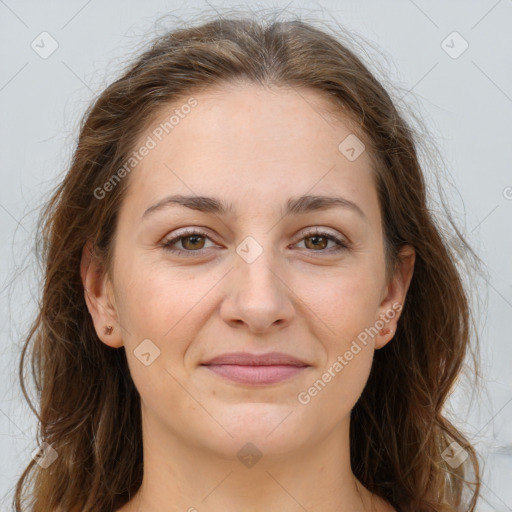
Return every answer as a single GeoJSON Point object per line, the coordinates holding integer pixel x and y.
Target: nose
{"type": "Point", "coordinates": [257, 296]}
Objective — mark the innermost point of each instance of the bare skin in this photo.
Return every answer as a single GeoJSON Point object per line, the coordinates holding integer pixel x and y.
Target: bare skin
{"type": "Point", "coordinates": [254, 148]}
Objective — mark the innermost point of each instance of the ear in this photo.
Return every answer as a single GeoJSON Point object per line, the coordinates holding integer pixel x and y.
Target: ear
{"type": "Point", "coordinates": [99, 298]}
{"type": "Point", "coordinates": [394, 296]}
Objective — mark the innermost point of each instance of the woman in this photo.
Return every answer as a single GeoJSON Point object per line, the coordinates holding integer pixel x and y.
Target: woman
{"type": "Point", "coordinates": [248, 304]}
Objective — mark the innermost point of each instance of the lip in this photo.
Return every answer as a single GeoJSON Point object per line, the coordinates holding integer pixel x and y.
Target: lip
{"type": "Point", "coordinates": [248, 359]}
{"type": "Point", "coordinates": [256, 369]}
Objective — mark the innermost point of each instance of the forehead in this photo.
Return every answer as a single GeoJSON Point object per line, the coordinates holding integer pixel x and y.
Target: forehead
{"type": "Point", "coordinates": [252, 146]}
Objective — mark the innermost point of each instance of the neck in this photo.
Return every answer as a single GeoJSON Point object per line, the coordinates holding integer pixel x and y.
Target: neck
{"type": "Point", "coordinates": [184, 476]}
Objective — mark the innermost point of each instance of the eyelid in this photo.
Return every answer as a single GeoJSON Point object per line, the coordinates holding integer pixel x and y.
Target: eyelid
{"type": "Point", "coordinates": [342, 242]}
{"type": "Point", "coordinates": [312, 231]}
{"type": "Point", "coordinates": [184, 233]}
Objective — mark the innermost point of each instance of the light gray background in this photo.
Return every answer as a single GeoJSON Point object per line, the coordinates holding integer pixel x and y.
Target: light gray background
{"type": "Point", "coordinates": [465, 102]}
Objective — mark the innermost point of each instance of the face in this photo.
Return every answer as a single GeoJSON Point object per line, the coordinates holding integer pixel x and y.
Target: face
{"type": "Point", "coordinates": [274, 272]}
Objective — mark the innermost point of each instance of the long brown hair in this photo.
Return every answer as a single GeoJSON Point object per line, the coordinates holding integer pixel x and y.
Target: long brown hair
{"type": "Point", "coordinates": [89, 408]}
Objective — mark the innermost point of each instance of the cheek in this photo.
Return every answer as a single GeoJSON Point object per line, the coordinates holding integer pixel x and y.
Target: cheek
{"type": "Point", "coordinates": [158, 315]}
{"type": "Point", "coordinates": [166, 307]}
{"type": "Point", "coordinates": [336, 390]}
{"type": "Point", "coordinates": [345, 310]}
{"type": "Point", "coordinates": [154, 300]}
{"type": "Point", "coordinates": [347, 316]}
{"type": "Point", "coordinates": [345, 303]}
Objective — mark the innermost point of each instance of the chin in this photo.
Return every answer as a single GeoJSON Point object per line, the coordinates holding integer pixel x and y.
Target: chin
{"type": "Point", "coordinates": [274, 429]}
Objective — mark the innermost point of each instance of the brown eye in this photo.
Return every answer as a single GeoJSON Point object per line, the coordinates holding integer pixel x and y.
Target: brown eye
{"type": "Point", "coordinates": [194, 242]}
{"type": "Point", "coordinates": [318, 242]}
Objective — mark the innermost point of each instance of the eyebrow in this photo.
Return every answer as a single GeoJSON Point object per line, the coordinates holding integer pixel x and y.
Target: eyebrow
{"type": "Point", "coordinates": [294, 206]}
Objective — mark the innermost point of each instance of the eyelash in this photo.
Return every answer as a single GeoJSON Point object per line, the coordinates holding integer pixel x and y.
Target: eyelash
{"type": "Point", "coordinates": [167, 244]}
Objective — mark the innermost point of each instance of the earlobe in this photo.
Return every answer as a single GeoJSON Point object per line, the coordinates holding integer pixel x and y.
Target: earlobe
{"type": "Point", "coordinates": [392, 304]}
{"type": "Point", "coordinates": [96, 292]}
